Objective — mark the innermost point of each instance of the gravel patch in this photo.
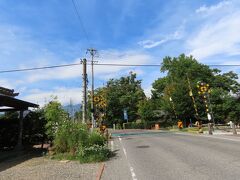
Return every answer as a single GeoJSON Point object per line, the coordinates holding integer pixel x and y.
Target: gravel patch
{"type": "Point", "coordinates": [39, 168]}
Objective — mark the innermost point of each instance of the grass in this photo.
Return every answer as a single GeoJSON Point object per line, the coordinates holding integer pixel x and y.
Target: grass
{"type": "Point", "coordinates": [63, 156]}
{"type": "Point", "coordinates": [90, 157]}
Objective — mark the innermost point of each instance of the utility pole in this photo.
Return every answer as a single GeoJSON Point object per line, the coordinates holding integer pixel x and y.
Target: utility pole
{"type": "Point", "coordinates": [92, 52]}
{"type": "Point", "coordinates": [84, 105]}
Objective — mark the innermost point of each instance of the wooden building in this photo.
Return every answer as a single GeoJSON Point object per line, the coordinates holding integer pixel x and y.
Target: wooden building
{"type": "Point", "coordinates": [8, 102]}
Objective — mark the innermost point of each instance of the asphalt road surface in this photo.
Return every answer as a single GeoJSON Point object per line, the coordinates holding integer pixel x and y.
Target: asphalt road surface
{"type": "Point", "coordinates": [172, 156]}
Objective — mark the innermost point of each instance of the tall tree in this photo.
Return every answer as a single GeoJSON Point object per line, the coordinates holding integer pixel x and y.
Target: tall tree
{"type": "Point", "coordinates": [183, 74]}
{"type": "Point", "coordinates": [123, 93]}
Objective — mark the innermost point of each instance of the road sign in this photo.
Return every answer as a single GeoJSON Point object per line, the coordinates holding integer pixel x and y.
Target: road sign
{"type": "Point", "coordinates": [209, 117]}
{"type": "Point", "coordinates": [125, 115]}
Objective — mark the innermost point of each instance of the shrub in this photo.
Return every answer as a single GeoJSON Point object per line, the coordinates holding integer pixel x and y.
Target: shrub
{"type": "Point", "coordinates": [96, 139]}
{"type": "Point", "coordinates": [94, 153]}
{"type": "Point", "coordinates": [118, 126]}
{"type": "Point", "coordinates": [55, 117]}
{"type": "Point", "coordinates": [70, 136]}
{"type": "Point", "coordinates": [74, 142]}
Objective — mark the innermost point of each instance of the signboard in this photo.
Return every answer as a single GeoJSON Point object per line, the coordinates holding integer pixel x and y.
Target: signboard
{"type": "Point", "coordinates": [209, 117]}
{"type": "Point", "coordinates": [125, 115]}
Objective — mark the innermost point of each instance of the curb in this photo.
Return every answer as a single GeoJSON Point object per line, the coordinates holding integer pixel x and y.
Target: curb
{"type": "Point", "coordinates": [100, 171]}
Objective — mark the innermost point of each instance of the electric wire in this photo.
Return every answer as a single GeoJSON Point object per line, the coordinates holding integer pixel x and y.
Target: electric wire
{"type": "Point", "coordinates": [76, 9]}
{"type": "Point", "coordinates": [38, 68]}
{"type": "Point", "coordinates": [100, 64]}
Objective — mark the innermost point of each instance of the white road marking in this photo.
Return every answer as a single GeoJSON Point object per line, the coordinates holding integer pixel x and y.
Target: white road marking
{"type": "Point", "coordinates": [134, 177]}
{"type": "Point", "coordinates": [133, 174]}
{"type": "Point", "coordinates": [235, 140]}
{"type": "Point", "coordinates": [112, 145]}
{"type": "Point", "coordinates": [125, 152]}
{"type": "Point", "coordinates": [210, 136]}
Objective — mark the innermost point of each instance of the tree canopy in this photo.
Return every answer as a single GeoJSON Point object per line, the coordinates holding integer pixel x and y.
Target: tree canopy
{"type": "Point", "coordinates": [123, 93]}
{"type": "Point", "coordinates": [183, 75]}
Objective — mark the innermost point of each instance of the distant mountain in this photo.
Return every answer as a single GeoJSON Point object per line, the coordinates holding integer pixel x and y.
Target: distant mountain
{"type": "Point", "coordinates": [71, 109]}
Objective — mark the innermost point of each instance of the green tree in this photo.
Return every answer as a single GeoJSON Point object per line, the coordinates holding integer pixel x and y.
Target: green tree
{"type": "Point", "coordinates": [173, 89]}
{"type": "Point", "coordinates": [146, 109]}
{"type": "Point", "coordinates": [78, 116]}
{"type": "Point", "coordinates": [34, 127]}
{"type": "Point", "coordinates": [123, 93]}
{"type": "Point", "coordinates": [55, 117]}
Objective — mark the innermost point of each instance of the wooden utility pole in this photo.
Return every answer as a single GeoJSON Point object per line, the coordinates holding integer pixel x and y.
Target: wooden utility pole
{"type": "Point", "coordinates": [84, 105]}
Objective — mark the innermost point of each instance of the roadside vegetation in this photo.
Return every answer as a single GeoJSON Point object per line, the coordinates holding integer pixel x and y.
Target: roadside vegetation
{"type": "Point", "coordinates": [172, 96]}
{"type": "Point", "coordinates": [73, 140]}
{"type": "Point", "coordinates": [171, 100]}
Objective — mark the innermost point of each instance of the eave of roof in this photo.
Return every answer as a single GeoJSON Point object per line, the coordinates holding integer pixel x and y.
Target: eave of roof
{"type": "Point", "coordinates": [16, 103]}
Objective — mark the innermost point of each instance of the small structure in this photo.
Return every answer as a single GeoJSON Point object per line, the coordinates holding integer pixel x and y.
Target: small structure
{"type": "Point", "coordinates": [8, 102]}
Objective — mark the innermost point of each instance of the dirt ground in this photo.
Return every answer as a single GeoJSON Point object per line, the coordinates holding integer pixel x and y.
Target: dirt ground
{"type": "Point", "coordinates": [28, 167]}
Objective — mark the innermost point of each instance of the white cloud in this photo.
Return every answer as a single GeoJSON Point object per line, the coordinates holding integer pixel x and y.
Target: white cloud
{"type": "Point", "coordinates": [117, 57]}
{"type": "Point", "coordinates": [101, 72]}
{"type": "Point", "coordinates": [17, 47]}
{"type": "Point", "coordinates": [148, 44]}
{"type": "Point", "coordinates": [5, 83]}
{"type": "Point", "coordinates": [205, 9]}
{"type": "Point", "coordinates": [63, 94]}
{"type": "Point", "coordinates": [218, 34]}
{"type": "Point", "coordinates": [148, 91]}
{"type": "Point", "coordinates": [56, 73]}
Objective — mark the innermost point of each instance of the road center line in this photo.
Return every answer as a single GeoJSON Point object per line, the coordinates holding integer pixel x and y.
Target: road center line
{"type": "Point", "coordinates": [134, 177]}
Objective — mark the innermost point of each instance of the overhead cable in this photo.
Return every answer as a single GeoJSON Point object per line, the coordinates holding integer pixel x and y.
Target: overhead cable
{"type": "Point", "coordinates": [102, 64]}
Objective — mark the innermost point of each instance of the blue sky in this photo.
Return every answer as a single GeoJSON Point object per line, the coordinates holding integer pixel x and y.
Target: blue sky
{"type": "Point", "coordinates": [48, 32]}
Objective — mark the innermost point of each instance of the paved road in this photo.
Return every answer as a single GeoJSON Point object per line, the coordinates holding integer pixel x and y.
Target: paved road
{"type": "Point", "coordinates": [171, 156]}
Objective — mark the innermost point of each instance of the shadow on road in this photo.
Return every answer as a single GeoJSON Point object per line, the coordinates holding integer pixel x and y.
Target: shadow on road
{"type": "Point", "coordinates": [144, 146]}
{"type": "Point", "coordinates": [12, 158]}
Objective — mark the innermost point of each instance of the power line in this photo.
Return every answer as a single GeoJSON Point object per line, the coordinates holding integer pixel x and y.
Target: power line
{"type": "Point", "coordinates": [76, 9]}
{"type": "Point", "coordinates": [157, 65]}
{"type": "Point", "coordinates": [144, 65]}
{"type": "Point", "coordinates": [38, 68]}
{"type": "Point", "coordinates": [103, 64]}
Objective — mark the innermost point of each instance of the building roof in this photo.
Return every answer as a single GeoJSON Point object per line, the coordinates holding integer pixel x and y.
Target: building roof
{"type": "Point", "coordinates": [14, 104]}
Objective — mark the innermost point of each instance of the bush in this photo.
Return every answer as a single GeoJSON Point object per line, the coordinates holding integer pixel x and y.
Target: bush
{"type": "Point", "coordinates": [96, 139]}
{"type": "Point", "coordinates": [118, 126]}
{"type": "Point", "coordinates": [74, 142]}
{"type": "Point", "coordinates": [94, 153]}
{"type": "Point", "coordinates": [69, 137]}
